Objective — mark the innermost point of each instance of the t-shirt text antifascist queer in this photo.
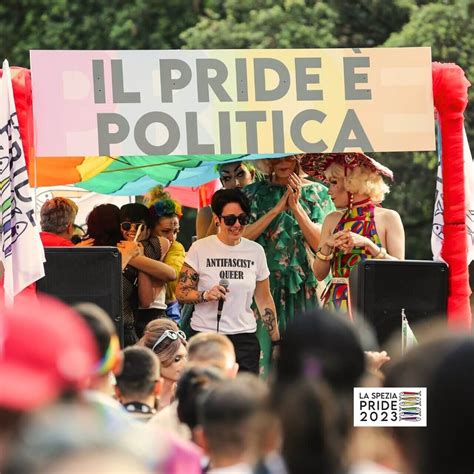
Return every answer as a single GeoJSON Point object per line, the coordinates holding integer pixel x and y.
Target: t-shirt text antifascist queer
{"type": "Point", "coordinates": [242, 265]}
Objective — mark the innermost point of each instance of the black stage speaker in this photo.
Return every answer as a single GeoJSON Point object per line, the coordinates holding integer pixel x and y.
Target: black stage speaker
{"type": "Point", "coordinates": [380, 289]}
{"type": "Point", "coordinates": [86, 274]}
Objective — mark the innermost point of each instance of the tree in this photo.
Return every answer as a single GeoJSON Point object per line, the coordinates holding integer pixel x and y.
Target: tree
{"type": "Point", "coordinates": [368, 23]}
{"type": "Point", "coordinates": [449, 30]}
{"type": "Point", "coordinates": [446, 27]}
{"type": "Point", "coordinates": [88, 24]}
{"type": "Point", "coordinates": [293, 24]}
{"type": "Point", "coordinates": [412, 195]}
{"type": "Point", "coordinates": [264, 24]}
{"type": "Point", "coordinates": [212, 24]}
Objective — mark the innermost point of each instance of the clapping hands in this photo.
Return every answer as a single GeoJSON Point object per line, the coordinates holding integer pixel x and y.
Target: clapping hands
{"type": "Point", "coordinates": [294, 190]}
{"type": "Point", "coordinates": [345, 240]}
{"type": "Point", "coordinates": [282, 204]}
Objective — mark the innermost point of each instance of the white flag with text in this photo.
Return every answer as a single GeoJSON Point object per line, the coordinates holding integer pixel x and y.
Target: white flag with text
{"type": "Point", "coordinates": [21, 251]}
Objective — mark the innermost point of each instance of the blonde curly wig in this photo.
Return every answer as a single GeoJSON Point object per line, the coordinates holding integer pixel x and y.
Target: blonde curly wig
{"type": "Point", "coordinates": [360, 180]}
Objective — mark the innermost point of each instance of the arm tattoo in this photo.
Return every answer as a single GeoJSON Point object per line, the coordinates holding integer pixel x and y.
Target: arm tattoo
{"type": "Point", "coordinates": [268, 319]}
{"type": "Point", "coordinates": [201, 298]}
{"type": "Point", "coordinates": [188, 281]}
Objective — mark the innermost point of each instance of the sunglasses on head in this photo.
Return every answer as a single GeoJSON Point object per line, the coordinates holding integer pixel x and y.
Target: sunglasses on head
{"type": "Point", "coordinates": [231, 219]}
{"type": "Point", "coordinates": [169, 334]}
{"type": "Point", "coordinates": [126, 226]}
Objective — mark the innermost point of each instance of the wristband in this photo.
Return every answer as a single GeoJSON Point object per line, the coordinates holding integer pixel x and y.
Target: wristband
{"type": "Point", "coordinates": [324, 258]}
{"type": "Point", "coordinates": [276, 343]}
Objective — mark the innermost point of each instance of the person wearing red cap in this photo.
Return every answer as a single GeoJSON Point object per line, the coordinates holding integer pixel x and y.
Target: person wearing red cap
{"type": "Point", "coordinates": [46, 351]}
{"type": "Point", "coordinates": [360, 228]}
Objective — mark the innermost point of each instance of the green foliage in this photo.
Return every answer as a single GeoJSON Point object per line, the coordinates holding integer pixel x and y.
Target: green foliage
{"type": "Point", "coordinates": [412, 195]}
{"type": "Point", "coordinates": [265, 24]}
{"type": "Point", "coordinates": [449, 30]}
{"type": "Point", "coordinates": [368, 23]}
{"type": "Point", "coordinates": [88, 24]}
{"type": "Point", "coordinates": [445, 25]}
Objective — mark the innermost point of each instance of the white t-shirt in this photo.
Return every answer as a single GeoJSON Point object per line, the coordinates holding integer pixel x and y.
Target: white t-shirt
{"type": "Point", "coordinates": [242, 265]}
{"type": "Point", "coordinates": [159, 301]}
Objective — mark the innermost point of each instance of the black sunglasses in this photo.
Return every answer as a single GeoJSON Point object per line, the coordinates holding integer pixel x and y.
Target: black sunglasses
{"type": "Point", "coordinates": [126, 226]}
{"type": "Point", "coordinates": [231, 219]}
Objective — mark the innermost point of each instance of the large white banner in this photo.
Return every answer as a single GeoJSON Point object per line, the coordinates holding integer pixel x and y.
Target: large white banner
{"type": "Point", "coordinates": [187, 102]}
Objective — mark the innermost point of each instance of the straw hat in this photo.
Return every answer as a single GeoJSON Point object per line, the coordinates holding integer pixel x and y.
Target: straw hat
{"type": "Point", "coordinates": [315, 164]}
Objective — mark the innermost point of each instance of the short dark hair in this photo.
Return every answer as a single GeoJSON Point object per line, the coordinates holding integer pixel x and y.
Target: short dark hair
{"type": "Point", "coordinates": [103, 225]}
{"type": "Point", "coordinates": [226, 196]}
{"type": "Point", "coordinates": [230, 413]}
{"type": "Point", "coordinates": [326, 341]}
{"type": "Point", "coordinates": [417, 369]}
{"type": "Point", "coordinates": [450, 386]}
{"type": "Point", "coordinates": [99, 323]}
{"type": "Point", "coordinates": [320, 362]}
{"type": "Point", "coordinates": [138, 376]}
{"type": "Point", "coordinates": [192, 386]}
{"type": "Point", "coordinates": [135, 212]}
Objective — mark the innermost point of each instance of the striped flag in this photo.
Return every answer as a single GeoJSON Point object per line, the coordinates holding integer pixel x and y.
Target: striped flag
{"type": "Point", "coordinates": [21, 252]}
{"type": "Point", "coordinates": [408, 338]}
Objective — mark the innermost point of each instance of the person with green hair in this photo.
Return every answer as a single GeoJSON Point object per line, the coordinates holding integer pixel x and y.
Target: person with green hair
{"type": "Point", "coordinates": [232, 175]}
{"type": "Point", "coordinates": [165, 214]}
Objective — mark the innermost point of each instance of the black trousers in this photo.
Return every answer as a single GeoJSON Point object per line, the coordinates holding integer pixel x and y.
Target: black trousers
{"type": "Point", "coordinates": [247, 350]}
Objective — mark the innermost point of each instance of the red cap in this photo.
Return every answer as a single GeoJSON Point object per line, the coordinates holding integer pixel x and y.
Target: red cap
{"type": "Point", "coordinates": [45, 349]}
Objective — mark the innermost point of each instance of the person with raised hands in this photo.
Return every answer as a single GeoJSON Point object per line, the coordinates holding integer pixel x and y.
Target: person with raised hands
{"type": "Point", "coordinates": [287, 211]}
{"type": "Point", "coordinates": [128, 230]}
{"type": "Point", "coordinates": [145, 270]}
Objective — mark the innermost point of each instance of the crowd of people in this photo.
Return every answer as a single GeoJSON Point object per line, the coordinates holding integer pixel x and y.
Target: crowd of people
{"type": "Point", "coordinates": [275, 242]}
{"type": "Point", "coordinates": [72, 400]}
{"type": "Point", "coordinates": [227, 363]}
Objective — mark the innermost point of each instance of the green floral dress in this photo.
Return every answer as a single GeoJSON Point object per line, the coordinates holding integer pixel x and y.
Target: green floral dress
{"type": "Point", "coordinates": [292, 281]}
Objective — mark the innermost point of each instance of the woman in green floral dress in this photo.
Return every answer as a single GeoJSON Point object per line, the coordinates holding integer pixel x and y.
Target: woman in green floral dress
{"type": "Point", "coordinates": [287, 212]}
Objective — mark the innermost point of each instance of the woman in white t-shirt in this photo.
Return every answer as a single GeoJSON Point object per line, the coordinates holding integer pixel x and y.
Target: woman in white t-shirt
{"type": "Point", "coordinates": [241, 264]}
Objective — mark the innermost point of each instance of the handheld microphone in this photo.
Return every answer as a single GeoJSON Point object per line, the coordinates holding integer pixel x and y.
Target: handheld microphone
{"type": "Point", "coordinates": [225, 283]}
